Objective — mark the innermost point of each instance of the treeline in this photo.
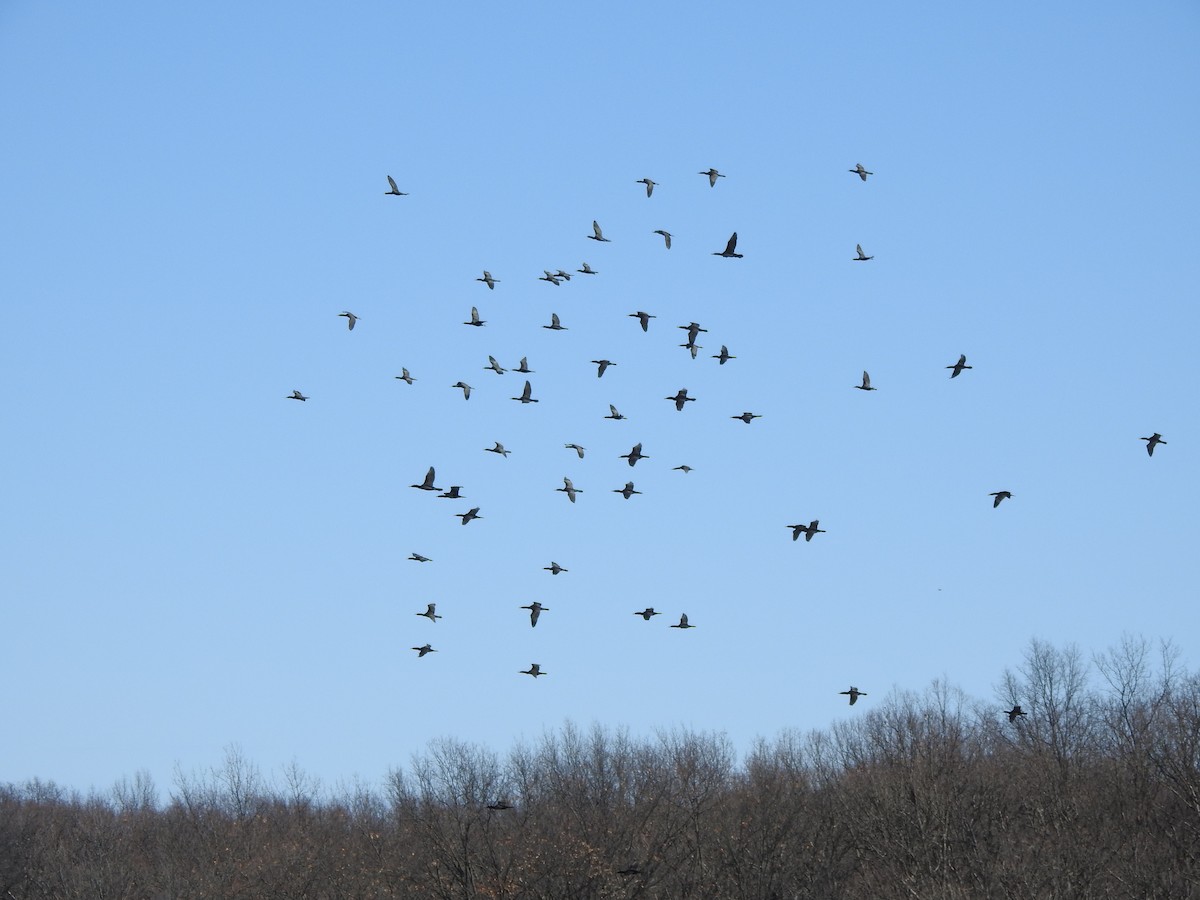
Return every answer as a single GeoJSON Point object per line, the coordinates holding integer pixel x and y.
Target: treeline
{"type": "Point", "coordinates": [1095, 793]}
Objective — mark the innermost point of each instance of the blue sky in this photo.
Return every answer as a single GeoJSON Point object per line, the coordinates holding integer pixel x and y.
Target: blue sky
{"type": "Point", "coordinates": [192, 194]}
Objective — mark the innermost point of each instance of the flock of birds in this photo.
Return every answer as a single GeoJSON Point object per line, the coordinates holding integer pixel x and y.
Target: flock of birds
{"type": "Point", "coordinates": [679, 399]}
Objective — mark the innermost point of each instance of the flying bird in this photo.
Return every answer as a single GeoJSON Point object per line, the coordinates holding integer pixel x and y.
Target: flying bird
{"type": "Point", "coordinates": [683, 469]}
{"type": "Point", "coordinates": [647, 613]}
{"type": "Point", "coordinates": [713, 175]}
{"type": "Point", "coordinates": [860, 171]}
{"type": "Point", "coordinates": [613, 414]}
{"type": "Point", "coordinates": [489, 280]}
{"type": "Point", "coordinates": [417, 557]}
{"type": "Point", "coordinates": [724, 356]}
{"type": "Point", "coordinates": [535, 670]}
{"type": "Point", "coordinates": [500, 806]}
{"type": "Point", "coordinates": [807, 530]}
{"type": "Point", "coordinates": [587, 270]}
{"type": "Point", "coordinates": [554, 568]}
{"type": "Point", "coordinates": [747, 417]}
{"type": "Point", "coordinates": [472, 513]}
{"type": "Point", "coordinates": [634, 455]}
{"type": "Point", "coordinates": [499, 448]}
{"type": "Point", "coordinates": [626, 491]}
{"type": "Point", "coordinates": [680, 399]}
{"type": "Point", "coordinates": [295, 395]}
{"type": "Point", "coordinates": [553, 279]}
{"type": "Point", "coordinates": [565, 276]}
{"type": "Point", "coordinates": [535, 610]}
{"type": "Point", "coordinates": [555, 325]}
{"type": "Point", "coordinates": [427, 484]}
{"type": "Point", "coordinates": [395, 191]}
{"type": "Point", "coordinates": [475, 320]}
{"type": "Point", "coordinates": [351, 318]}
{"type": "Point", "coordinates": [683, 622]}
{"type": "Point", "coordinates": [866, 385]}
{"type": "Point", "coordinates": [644, 318]}
{"type": "Point", "coordinates": [1151, 442]}
{"type": "Point", "coordinates": [1014, 713]}
{"type": "Point", "coordinates": [405, 377]}
{"type": "Point", "coordinates": [466, 389]}
{"type": "Point", "coordinates": [692, 347]}
{"type": "Point", "coordinates": [597, 234]}
{"type": "Point", "coordinates": [430, 613]}
{"type": "Point", "coordinates": [666, 236]}
{"type": "Point", "coordinates": [1000, 495]}
{"type": "Point", "coordinates": [523, 368]}
{"type": "Point", "coordinates": [603, 364]}
{"type": "Point", "coordinates": [495, 366]}
{"type": "Point", "coordinates": [959, 366]}
{"type": "Point", "coordinates": [854, 693]}
{"type": "Point", "coordinates": [730, 248]}
{"type": "Point", "coordinates": [862, 257]}
{"type": "Point", "coordinates": [576, 448]}
{"type": "Point", "coordinates": [421, 651]}
{"type": "Point", "coordinates": [649, 185]}
{"type": "Point", "coordinates": [693, 329]}
{"type": "Point", "coordinates": [453, 493]}
{"type": "Point", "coordinates": [569, 489]}
{"type": "Point", "coordinates": [525, 394]}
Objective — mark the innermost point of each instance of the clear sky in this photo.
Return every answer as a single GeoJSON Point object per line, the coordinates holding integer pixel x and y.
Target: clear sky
{"type": "Point", "coordinates": [192, 193]}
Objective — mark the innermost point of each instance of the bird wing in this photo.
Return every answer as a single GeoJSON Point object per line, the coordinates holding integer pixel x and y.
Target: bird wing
{"type": "Point", "coordinates": [596, 229]}
{"type": "Point", "coordinates": [683, 619]}
{"type": "Point", "coordinates": [528, 390]}
{"type": "Point", "coordinates": [392, 182]}
{"type": "Point", "coordinates": [866, 379]}
{"type": "Point", "coordinates": [732, 245]}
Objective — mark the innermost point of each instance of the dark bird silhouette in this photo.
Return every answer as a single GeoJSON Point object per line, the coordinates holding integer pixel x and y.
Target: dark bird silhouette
{"type": "Point", "coordinates": [1000, 495]}
{"type": "Point", "coordinates": [713, 175]}
{"type": "Point", "coordinates": [500, 806]}
{"type": "Point", "coordinates": [421, 651]}
{"type": "Point", "coordinates": [554, 568]}
{"type": "Point", "coordinates": [523, 368]}
{"type": "Point", "coordinates": [1014, 713]}
{"type": "Point", "coordinates": [647, 613]}
{"type": "Point", "coordinates": [680, 399]}
{"type": "Point", "coordinates": [724, 356]}
{"type": "Point", "coordinates": [472, 513]}
{"type": "Point", "coordinates": [395, 191]}
{"type": "Point", "coordinates": [626, 491]}
{"type": "Point", "coordinates": [666, 236]}
{"type": "Point", "coordinates": [613, 414]}
{"type": "Point", "coordinates": [453, 493]}
{"type": "Point", "coordinates": [597, 234]}
{"type": "Point", "coordinates": [730, 248]}
{"type": "Point", "coordinates": [427, 484]}
{"type": "Point", "coordinates": [569, 489]}
{"type": "Point", "coordinates": [866, 385]}
{"type": "Point", "coordinates": [1151, 442]}
{"type": "Point", "coordinates": [959, 366]}
{"type": "Point", "coordinates": [644, 318]}
{"type": "Point", "coordinates": [525, 394]}
{"type": "Point", "coordinates": [649, 185]}
{"type": "Point", "coordinates": [576, 448]}
{"type": "Point", "coordinates": [683, 622]}
{"type": "Point", "coordinates": [495, 366]}
{"type": "Point", "coordinates": [807, 530]}
{"type": "Point", "coordinates": [535, 670]}
{"type": "Point", "coordinates": [405, 377]}
{"type": "Point", "coordinates": [854, 693]}
{"type": "Point", "coordinates": [565, 276]}
{"type": "Point", "coordinates": [351, 318]}
{"type": "Point", "coordinates": [489, 280]}
{"type": "Point", "coordinates": [603, 364]}
{"type": "Point", "coordinates": [683, 469]}
{"type": "Point", "coordinates": [587, 270]}
{"type": "Point", "coordinates": [862, 257]}
{"type": "Point", "coordinates": [535, 610]}
{"type": "Point", "coordinates": [466, 389]}
{"type": "Point", "coordinates": [430, 613]}
{"type": "Point", "coordinates": [417, 557]}
{"type": "Point", "coordinates": [692, 347]}
{"type": "Point", "coordinates": [693, 329]}
{"type": "Point", "coordinates": [295, 395]}
{"type": "Point", "coordinates": [555, 325]}
{"type": "Point", "coordinates": [634, 455]}
{"type": "Point", "coordinates": [747, 417]}
{"type": "Point", "coordinates": [860, 171]}
{"type": "Point", "coordinates": [547, 276]}
{"type": "Point", "coordinates": [475, 320]}
{"type": "Point", "coordinates": [499, 448]}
